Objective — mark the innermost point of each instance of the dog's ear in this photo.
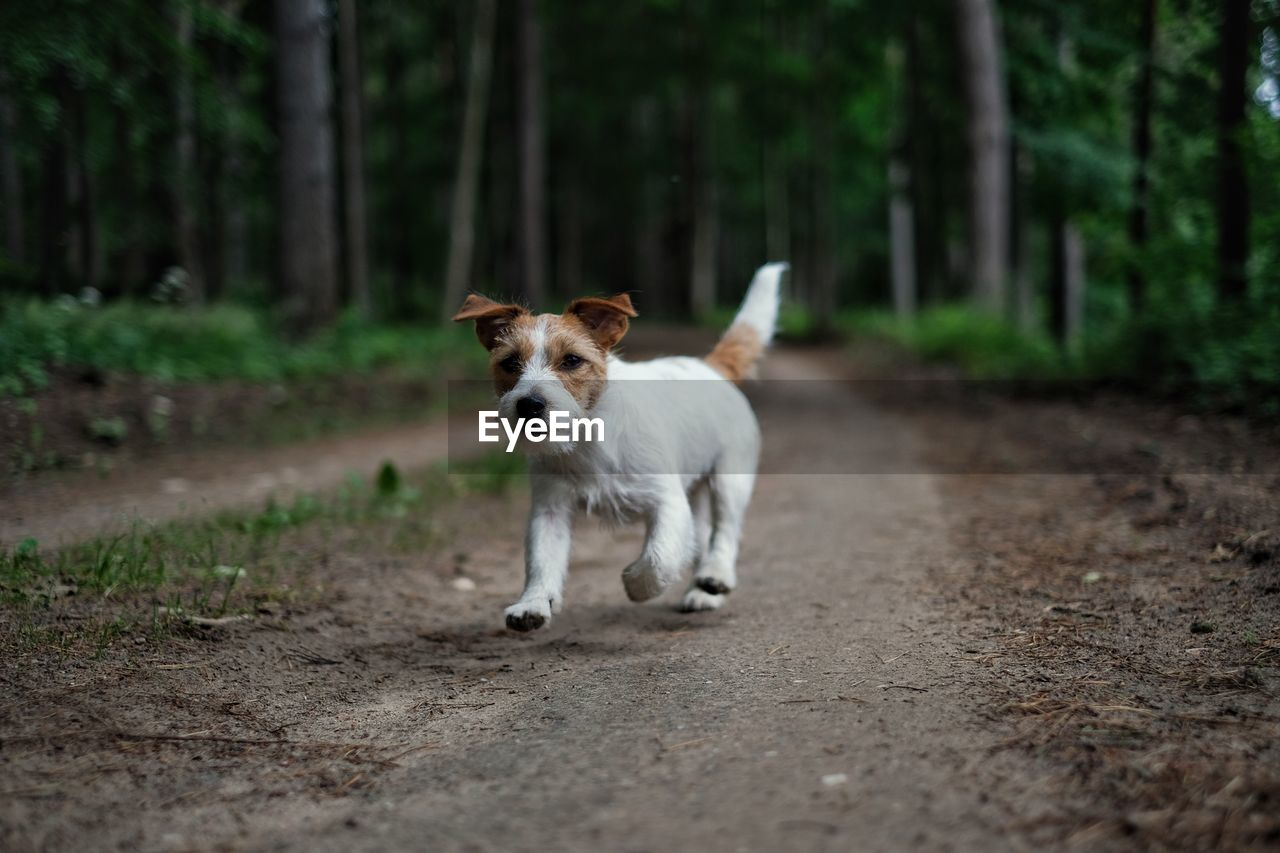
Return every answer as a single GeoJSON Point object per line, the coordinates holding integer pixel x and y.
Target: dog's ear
{"type": "Point", "coordinates": [491, 317]}
{"type": "Point", "coordinates": [605, 319]}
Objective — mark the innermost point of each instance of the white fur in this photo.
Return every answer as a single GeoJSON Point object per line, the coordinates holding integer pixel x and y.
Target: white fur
{"type": "Point", "coordinates": [681, 458]}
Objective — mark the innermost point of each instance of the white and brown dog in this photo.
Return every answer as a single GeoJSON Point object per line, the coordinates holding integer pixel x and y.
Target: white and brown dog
{"type": "Point", "coordinates": [682, 458]}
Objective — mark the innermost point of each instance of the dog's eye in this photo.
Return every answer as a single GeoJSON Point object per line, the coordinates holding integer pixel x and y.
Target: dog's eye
{"type": "Point", "coordinates": [571, 361]}
{"type": "Point", "coordinates": [510, 364]}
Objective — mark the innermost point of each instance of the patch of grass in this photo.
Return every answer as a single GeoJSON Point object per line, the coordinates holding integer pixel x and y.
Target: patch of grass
{"type": "Point", "coordinates": [984, 346]}
{"type": "Point", "coordinates": [492, 474]}
{"type": "Point", "coordinates": [233, 560]}
{"type": "Point", "coordinates": [189, 344]}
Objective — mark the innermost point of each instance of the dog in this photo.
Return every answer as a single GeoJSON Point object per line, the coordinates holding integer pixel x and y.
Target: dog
{"type": "Point", "coordinates": [682, 456]}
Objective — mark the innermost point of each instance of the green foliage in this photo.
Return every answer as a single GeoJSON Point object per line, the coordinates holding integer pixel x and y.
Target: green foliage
{"type": "Point", "coordinates": [1215, 357]}
{"type": "Point", "coordinates": [986, 347]}
{"type": "Point", "coordinates": [185, 344]}
{"type": "Point", "coordinates": [196, 566]}
{"type": "Point", "coordinates": [793, 108]}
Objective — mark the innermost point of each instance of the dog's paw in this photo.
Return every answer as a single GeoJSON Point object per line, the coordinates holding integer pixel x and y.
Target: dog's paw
{"type": "Point", "coordinates": [642, 582]}
{"type": "Point", "coordinates": [697, 599]}
{"type": "Point", "coordinates": [528, 615]}
{"type": "Point", "coordinates": [713, 585]}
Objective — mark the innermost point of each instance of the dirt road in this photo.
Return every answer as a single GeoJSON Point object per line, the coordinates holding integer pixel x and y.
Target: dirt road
{"type": "Point", "coordinates": [833, 705]}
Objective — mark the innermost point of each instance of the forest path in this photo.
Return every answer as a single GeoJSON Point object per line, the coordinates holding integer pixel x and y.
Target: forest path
{"type": "Point", "coordinates": [60, 508]}
{"type": "Point", "coordinates": [829, 706]}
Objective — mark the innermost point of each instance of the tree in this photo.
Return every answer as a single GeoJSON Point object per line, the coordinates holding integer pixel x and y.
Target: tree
{"type": "Point", "coordinates": [705, 201]}
{"type": "Point", "coordinates": [982, 56]}
{"type": "Point", "coordinates": [902, 251]}
{"type": "Point", "coordinates": [56, 219]}
{"type": "Point", "coordinates": [353, 208]}
{"type": "Point", "coordinates": [10, 179]}
{"type": "Point", "coordinates": [185, 221]}
{"type": "Point", "coordinates": [532, 132]}
{"type": "Point", "coordinates": [304, 103]}
{"type": "Point", "coordinates": [1138, 212]}
{"type": "Point", "coordinates": [1233, 187]}
{"type": "Point", "coordinates": [462, 222]}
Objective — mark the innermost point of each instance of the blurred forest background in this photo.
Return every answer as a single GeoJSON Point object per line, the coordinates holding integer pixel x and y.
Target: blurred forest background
{"type": "Point", "coordinates": [207, 188]}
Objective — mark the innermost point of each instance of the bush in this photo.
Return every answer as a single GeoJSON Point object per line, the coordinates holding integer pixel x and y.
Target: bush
{"type": "Point", "coordinates": [1211, 356]}
{"type": "Point", "coordinates": [986, 347]}
{"type": "Point", "coordinates": [188, 344]}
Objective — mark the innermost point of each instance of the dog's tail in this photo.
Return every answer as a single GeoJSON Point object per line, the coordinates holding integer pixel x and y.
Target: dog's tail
{"type": "Point", "coordinates": [742, 344]}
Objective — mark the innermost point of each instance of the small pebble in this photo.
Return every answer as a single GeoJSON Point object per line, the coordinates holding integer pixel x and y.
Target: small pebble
{"type": "Point", "coordinates": [463, 584]}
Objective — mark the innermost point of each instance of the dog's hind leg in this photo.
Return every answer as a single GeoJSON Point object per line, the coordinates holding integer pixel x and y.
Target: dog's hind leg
{"type": "Point", "coordinates": [700, 503]}
{"type": "Point", "coordinates": [694, 597]}
{"type": "Point", "coordinates": [669, 546]}
{"type": "Point", "coordinates": [730, 494]}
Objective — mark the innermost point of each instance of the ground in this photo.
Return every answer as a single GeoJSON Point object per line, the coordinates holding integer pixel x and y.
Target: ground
{"type": "Point", "coordinates": [925, 651]}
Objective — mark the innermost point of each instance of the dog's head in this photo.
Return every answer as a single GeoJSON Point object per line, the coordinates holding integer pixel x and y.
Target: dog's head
{"type": "Point", "coordinates": [544, 363]}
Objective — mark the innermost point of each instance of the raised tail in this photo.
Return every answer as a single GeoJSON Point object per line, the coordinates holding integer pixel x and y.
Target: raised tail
{"type": "Point", "coordinates": [742, 344]}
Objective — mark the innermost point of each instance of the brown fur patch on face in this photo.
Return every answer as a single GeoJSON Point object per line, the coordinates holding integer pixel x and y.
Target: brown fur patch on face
{"type": "Point", "coordinates": [735, 356]}
{"type": "Point", "coordinates": [578, 360]}
{"type": "Point", "coordinates": [562, 343]}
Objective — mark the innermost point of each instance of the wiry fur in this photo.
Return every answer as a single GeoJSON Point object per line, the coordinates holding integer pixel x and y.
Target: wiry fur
{"type": "Point", "coordinates": [680, 458]}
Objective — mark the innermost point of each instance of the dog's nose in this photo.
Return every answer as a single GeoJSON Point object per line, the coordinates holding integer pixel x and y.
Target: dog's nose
{"type": "Point", "coordinates": [532, 406]}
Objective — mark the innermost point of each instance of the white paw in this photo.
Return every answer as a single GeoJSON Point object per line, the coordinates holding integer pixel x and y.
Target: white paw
{"type": "Point", "coordinates": [529, 614]}
{"type": "Point", "coordinates": [696, 599]}
{"type": "Point", "coordinates": [642, 581]}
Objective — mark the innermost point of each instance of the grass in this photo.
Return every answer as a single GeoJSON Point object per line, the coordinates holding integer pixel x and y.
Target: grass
{"type": "Point", "coordinates": [1218, 357]}
{"type": "Point", "coordinates": [984, 346]}
{"type": "Point", "coordinates": [229, 563]}
{"type": "Point", "coordinates": [176, 343]}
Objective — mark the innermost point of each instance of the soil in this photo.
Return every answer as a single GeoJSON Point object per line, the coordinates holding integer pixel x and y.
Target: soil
{"type": "Point", "coordinates": [101, 421]}
{"type": "Point", "coordinates": [958, 661]}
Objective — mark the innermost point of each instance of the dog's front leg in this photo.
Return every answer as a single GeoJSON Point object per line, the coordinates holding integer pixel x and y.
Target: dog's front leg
{"type": "Point", "coordinates": [546, 551]}
{"type": "Point", "coordinates": [669, 547]}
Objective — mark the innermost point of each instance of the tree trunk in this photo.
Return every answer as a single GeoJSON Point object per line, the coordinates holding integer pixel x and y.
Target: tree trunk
{"type": "Point", "coordinates": [902, 250]}
{"type": "Point", "coordinates": [706, 215]}
{"type": "Point", "coordinates": [650, 260]}
{"type": "Point", "coordinates": [1233, 189]}
{"type": "Point", "coordinates": [1024, 302]}
{"type": "Point", "coordinates": [354, 211]}
{"type": "Point", "coordinates": [227, 246]}
{"type": "Point", "coordinates": [308, 251]}
{"type": "Point", "coordinates": [1138, 212]}
{"type": "Point", "coordinates": [86, 263]}
{"type": "Point", "coordinates": [11, 181]}
{"type": "Point", "coordinates": [56, 222]}
{"type": "Point", "coordinates": [927, 197]}
{"type": "Point", "coordinates": [1074, 282]}
{"type": "Point", "coordinates": [1066, 281]}
{"type": "Point", "coordinates": [777, 203]}
{"type": "Point", "coordinates": [570, 262]}
{"type": "Point", "coordinates": [400, 235]}
{"type": "Point", "coordinates": [533, 206]}
{"type": "Point", "coordinates": [185, 180]}
{"type": "Point", "coordinates": [1023, 280]}
{"type": "Point", "coordinates": [982, 54]}
{"type": "Point", "coordinates": [462, 226]}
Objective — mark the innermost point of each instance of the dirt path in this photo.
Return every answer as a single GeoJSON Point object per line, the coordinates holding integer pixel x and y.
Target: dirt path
{"type": "Point", "coordinates": [61, 508]}
{"type": "Point", "coordinates": [829, 707]}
